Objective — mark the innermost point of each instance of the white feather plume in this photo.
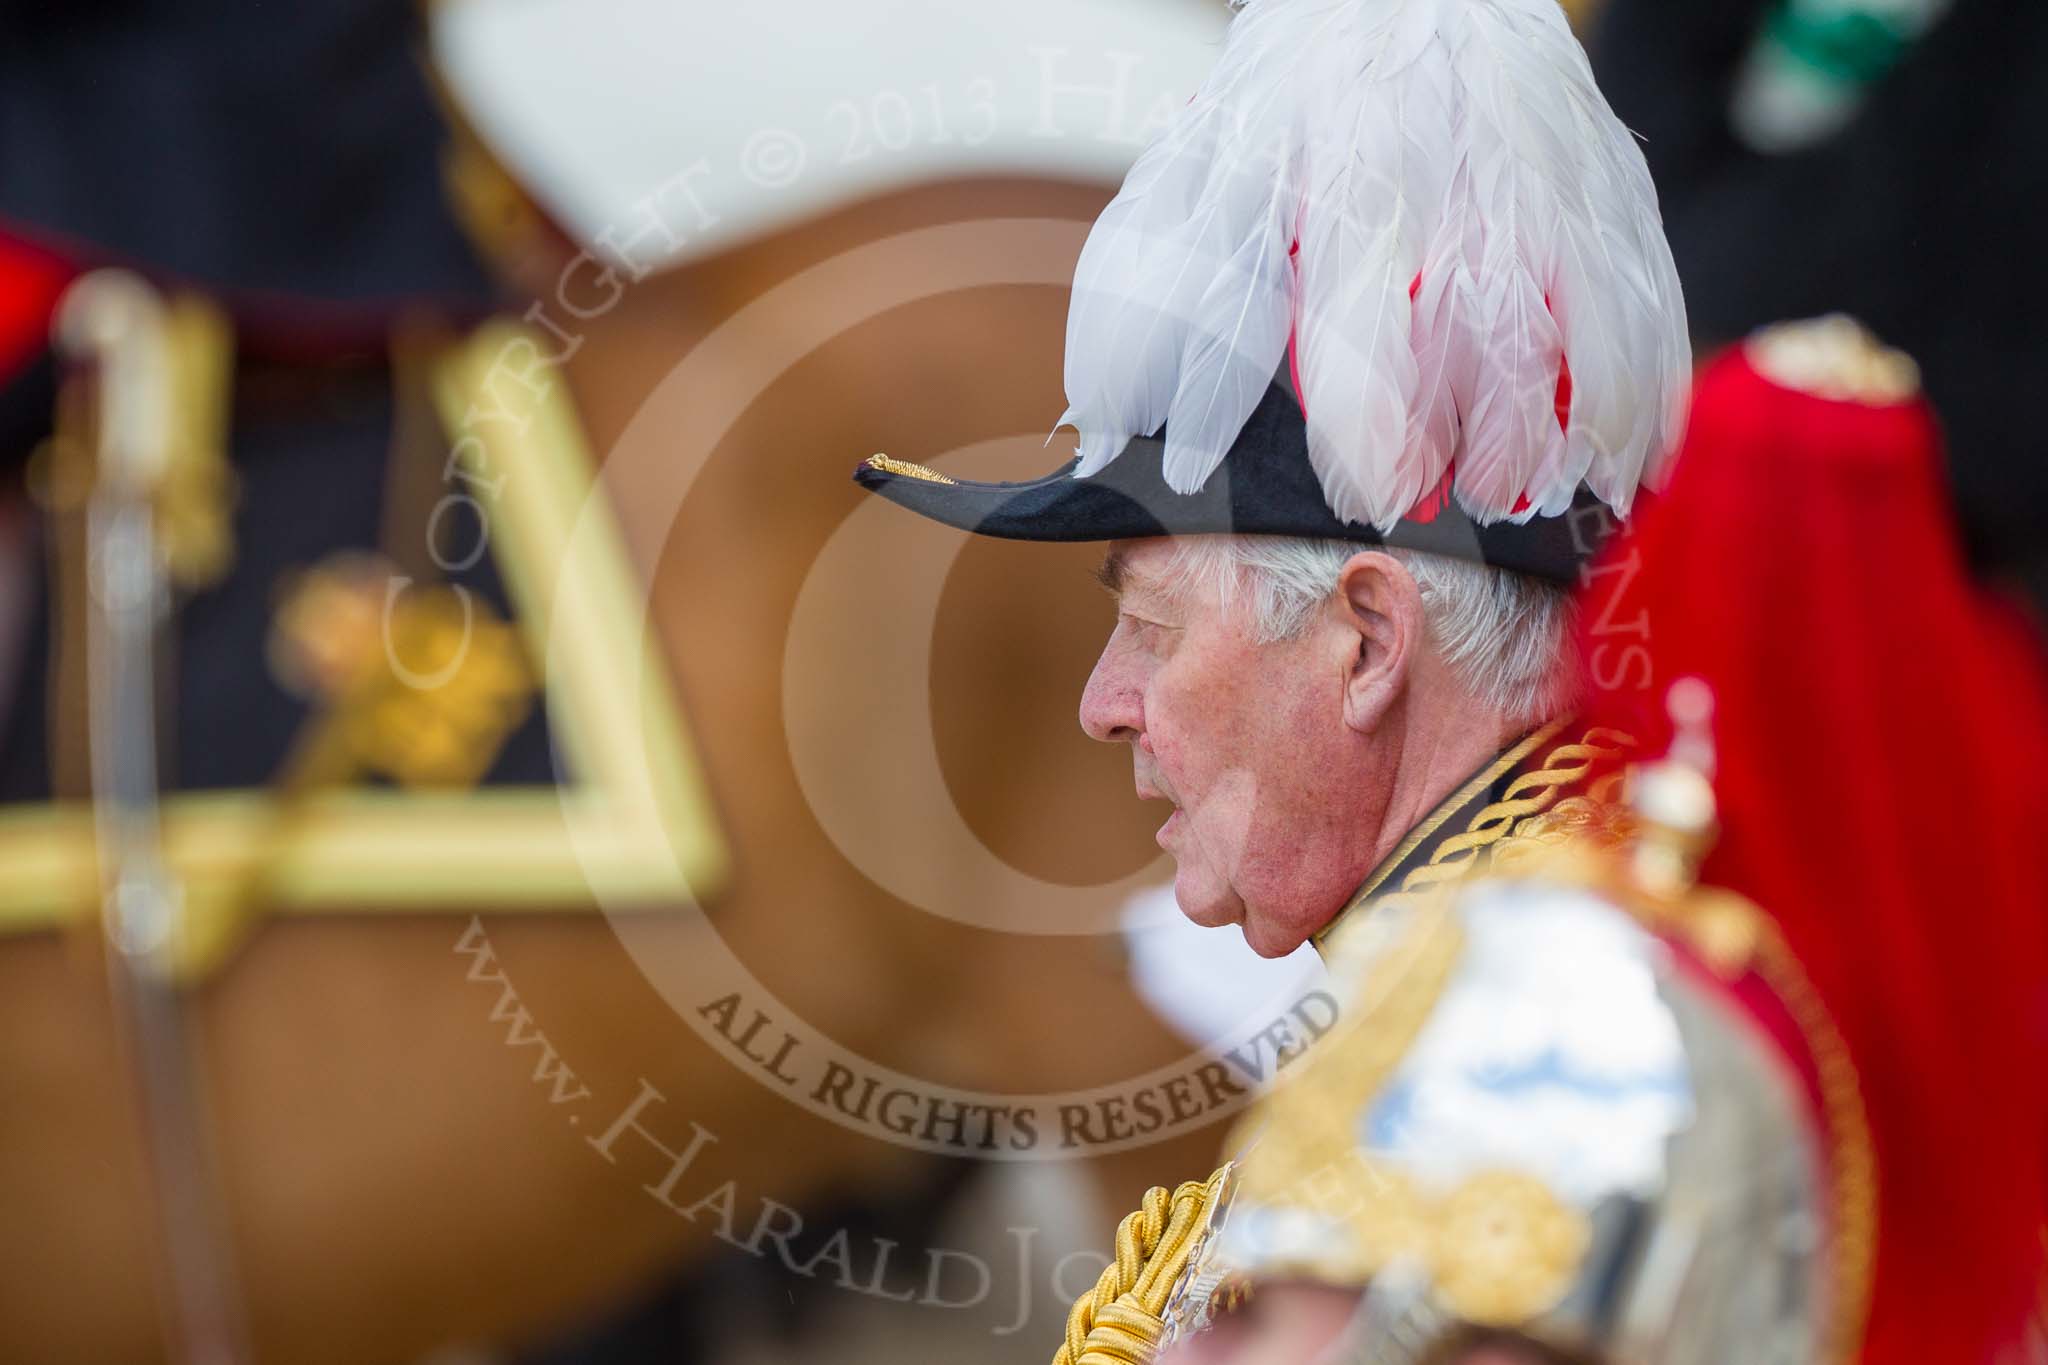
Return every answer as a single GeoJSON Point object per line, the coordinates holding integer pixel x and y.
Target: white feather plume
{"type": "Point", "coordinates": [1236, 340]}
{"type": "Point", "coordinates": [1133, 295]}
{"type": "Point", "coordinates": [1377, 168]}
{"type": "Point", "coordinates": [1342, 153]}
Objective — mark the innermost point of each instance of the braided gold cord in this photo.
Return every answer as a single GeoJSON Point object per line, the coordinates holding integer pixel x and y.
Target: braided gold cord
{"type": "Point", "coordinates": [1119, 1320]}
{"type": "Point", "coordinates": [1529, 794]}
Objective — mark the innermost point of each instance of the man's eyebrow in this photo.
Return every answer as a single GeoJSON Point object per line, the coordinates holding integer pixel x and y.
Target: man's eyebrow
{"type": "Point", "coordinates": [1111, 574]}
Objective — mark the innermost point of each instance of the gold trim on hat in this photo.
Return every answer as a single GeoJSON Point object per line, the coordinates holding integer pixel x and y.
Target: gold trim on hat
{"type": "Point", "coordinates": [906, 469]}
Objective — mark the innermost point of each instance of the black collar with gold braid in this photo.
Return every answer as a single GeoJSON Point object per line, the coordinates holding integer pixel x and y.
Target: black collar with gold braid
{"type": "Point", "coordinates": [1557, 778]}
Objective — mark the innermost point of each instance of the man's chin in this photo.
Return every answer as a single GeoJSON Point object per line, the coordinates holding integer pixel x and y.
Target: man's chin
{"type": "Point", "coordinates": [1263, 939]}
{"type": "Point", "coordinates": [1204, 907]}
{"type": "Point", "coordinates": [1260, 937]}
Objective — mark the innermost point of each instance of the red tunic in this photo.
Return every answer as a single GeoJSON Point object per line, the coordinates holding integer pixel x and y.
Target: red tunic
{"type": "Point", "coordinates": [1882, 735]}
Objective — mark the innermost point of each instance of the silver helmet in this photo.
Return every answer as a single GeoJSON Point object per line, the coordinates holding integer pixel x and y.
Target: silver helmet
{"type": "Point", "coordinates": [1538, 1120]}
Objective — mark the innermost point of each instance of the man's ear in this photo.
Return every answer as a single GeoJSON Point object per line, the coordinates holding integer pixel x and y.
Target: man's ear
{"type": "Point", "coordinates": [1381, 606]}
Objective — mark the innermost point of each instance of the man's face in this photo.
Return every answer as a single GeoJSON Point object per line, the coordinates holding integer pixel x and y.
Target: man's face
{"type": "Point", "coordinates": [1247, 739]}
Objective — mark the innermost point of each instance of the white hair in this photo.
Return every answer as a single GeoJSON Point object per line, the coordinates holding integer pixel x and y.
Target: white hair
{"type": "Point", "coordinates": [1504, 635]}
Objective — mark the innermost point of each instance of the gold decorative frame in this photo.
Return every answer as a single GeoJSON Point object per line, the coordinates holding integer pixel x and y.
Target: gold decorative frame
{"type": "Point", "coordinates": [633, 826]}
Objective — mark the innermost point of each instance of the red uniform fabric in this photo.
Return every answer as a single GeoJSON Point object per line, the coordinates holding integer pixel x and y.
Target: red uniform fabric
{"type": "Point", "coordinates": [1881, 729]}
{"type": "Point", "coordinates": [31, 279]}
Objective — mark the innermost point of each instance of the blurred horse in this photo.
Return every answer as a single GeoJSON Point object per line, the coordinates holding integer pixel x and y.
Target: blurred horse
{"type": "Point", "coordinates": [395, 1182]}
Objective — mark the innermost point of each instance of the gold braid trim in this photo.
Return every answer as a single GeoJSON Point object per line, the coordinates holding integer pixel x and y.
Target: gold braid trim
{"type": "Point", "coordinates": [1526, 796]}
{"type": "Point", "coordinates": [1119, 1321]}
{"type": "Point", "coordinates": [905, 469]}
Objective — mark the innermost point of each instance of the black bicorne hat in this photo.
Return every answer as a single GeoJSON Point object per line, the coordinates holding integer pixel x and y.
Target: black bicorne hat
{"type": "Point", "coordinates": [1394, 275]}
{"type": "Point", "coordinates": [1265, 486]}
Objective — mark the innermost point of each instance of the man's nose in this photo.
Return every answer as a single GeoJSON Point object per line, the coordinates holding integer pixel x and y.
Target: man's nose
{"type": "Point", "coordinates": [1112, 705]}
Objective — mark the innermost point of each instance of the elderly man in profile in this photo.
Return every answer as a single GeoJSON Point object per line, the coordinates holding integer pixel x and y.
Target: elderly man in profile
{"type": "Point", "coordinates": [1328, 716]}
{"type": "Point", "coordinates": [1363, 370]}
{"type": "Point", "coordinates": [1379, 338]}
{"type": "Point", "coordinates": [1325, 715]}
{"type": "Point", "coordinates": [1306, 704]}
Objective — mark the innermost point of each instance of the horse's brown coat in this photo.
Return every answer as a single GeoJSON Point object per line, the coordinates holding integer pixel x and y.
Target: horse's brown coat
{"type": "Point", "coordinates": [396, 1180]}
